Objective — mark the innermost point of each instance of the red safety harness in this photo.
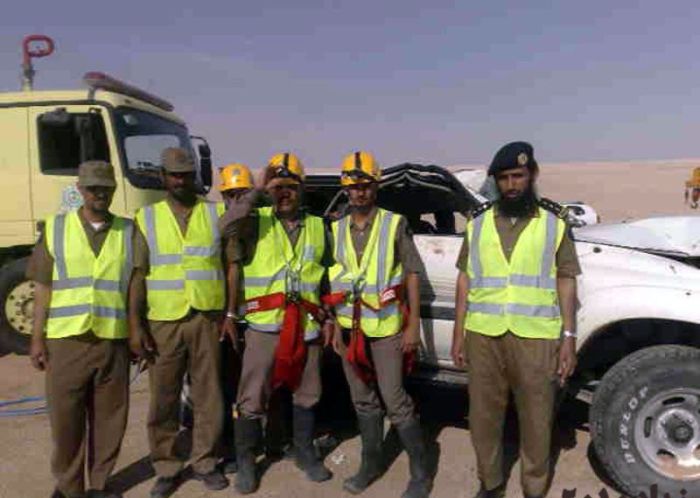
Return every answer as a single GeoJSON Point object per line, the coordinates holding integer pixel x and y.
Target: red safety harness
{"type": "Point", "coordinates": [290, 355]}
{"type": "Point", "coordinates": [358, 351]}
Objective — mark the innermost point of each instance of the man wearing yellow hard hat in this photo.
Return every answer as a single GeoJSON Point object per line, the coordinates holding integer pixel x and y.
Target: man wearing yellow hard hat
{"type": "Point", "coordinates": [236, 181]}
{"type": "Point", "coordinates": [375, 291]}
{"type": "Point", "coordinates": [281, 257]}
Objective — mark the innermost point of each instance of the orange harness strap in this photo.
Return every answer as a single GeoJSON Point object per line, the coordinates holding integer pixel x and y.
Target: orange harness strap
{"type": "Point", "coordinates": [358, 352]}
{"type": "Point", "coordinates": [290, 355]}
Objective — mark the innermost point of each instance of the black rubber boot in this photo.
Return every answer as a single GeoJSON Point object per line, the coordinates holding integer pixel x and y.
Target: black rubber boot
{"type": "Point", "coordinates": [229, 465]}
{"type": "Point", "coordinates": [165, 486]}
{"type": "Point", "coordinates": [411, 436]}
{"type": "Point", "coordinates": [214, 480]}
{"type": "Point", "coordinates": [248, 436]}
{"type": "Point", "coordinates": [498, 492]}
{"type": "Point", "coordinates": [57, 494]}
{"type": "Point", "coordinates": [102, 493]}
{"type": "Point", "coordinates": [372, 435]}
{"type": "Point", "coordinates": [304, 452]}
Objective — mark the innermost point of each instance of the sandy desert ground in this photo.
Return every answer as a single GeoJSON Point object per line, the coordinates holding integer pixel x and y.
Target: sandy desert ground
{"type": "Point", "coordinates": [622, 190]}
{"type": "Point", "coordinates": [25, 450]}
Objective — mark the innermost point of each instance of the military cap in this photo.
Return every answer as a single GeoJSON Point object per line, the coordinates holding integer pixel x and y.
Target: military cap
{"type": "Point", "coordinates": [513, 155]}
{"type": "Point", "coordinates": [96, 174]}
{"type": "Point", "coordinates": [177, 160]}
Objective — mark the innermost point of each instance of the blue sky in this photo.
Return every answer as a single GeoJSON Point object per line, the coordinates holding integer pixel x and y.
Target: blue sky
{"type": "Point", "coordinates": [439, 82]}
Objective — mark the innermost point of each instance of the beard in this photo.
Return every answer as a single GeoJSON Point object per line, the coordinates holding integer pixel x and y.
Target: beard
{"type": "Point", "coordinates": [184, 195]}
{"type": "Point", "coordinates": [518, 207]}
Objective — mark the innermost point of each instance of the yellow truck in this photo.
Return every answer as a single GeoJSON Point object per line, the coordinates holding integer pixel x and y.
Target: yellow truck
{"type": "Point", "coordinates": [44, 136]}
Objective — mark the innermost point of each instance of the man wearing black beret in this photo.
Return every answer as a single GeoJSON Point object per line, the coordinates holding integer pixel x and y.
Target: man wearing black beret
{"type": "Point", "coordinates": [515, 319]}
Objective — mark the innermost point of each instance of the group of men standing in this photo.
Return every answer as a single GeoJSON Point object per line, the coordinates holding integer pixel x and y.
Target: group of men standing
{"type": "Point", "coordinates": [170, 287]}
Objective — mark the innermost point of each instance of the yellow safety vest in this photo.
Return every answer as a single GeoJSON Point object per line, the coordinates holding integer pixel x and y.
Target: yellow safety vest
{"type": "Point", "coordinates": [519, 295]}
{"type": "Point", "coordinates": [185, 271]}
{"type": "Point", "coordinates": [370, 279]}
{"type": "Point", "coordinates": [88, 292]}
{"type": "Point", "coordinates": [278, 267]}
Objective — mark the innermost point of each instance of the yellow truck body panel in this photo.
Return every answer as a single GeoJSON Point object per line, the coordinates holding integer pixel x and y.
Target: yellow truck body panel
{"type": "Point", "coordinates": [29, 192]}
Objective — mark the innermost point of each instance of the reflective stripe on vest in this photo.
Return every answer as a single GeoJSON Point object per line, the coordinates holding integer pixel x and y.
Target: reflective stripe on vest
{"type": "Point", "coordinates": [370, 277]}
{"type": "Point", "coordinates": [518, 295]}
{"type": "Point", "coordinates": [185, 270]}
{"type": "Point", "coordinates": [88, 292]}
{"type": "Point", "coordinates": [277, 266]}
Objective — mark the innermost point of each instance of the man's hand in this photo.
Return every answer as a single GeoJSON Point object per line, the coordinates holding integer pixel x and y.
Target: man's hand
{"type": "Point", "coordinates": [411, 337]}
{"type": "Point", "coordinates": [142, 346]}
{"type": "Point", "coordinates": [567, 359]}
{"type": "Point", "coordinates": [457, 351]}
{"type": "Point", "coordinates": [259, 179]}
{"type": "Point", "coordinates": [228, 329]}
{"type": "Point", "coordinates": [328, 331]}
{"type": "Point", "coordinates": [38, 353]}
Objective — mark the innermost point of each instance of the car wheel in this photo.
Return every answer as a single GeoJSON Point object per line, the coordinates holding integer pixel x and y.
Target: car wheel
{"type": "Point", "coordinates": [645, 421]}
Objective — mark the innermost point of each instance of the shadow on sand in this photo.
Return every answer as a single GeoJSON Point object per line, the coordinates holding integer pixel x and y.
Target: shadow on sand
{"type": "Point", "coordinates": [440, 406]}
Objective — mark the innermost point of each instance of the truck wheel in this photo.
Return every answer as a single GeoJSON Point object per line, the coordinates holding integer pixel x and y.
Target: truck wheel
{"type": "Point", "coordinates": [16, 307]}
{"type": "Point", "coordinates": [645, 421]}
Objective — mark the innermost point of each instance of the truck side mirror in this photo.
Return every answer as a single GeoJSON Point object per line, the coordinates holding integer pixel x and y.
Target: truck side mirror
{"type": "Point", "coordinates": [205, 164]}
{"type": "Point", "coordinates": [93, 138]}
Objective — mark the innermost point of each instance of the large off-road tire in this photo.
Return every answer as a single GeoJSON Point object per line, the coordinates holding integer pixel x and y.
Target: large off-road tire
{"type": "Point", "coordinates": [645, 421]}
{"type": "Point", "coordinates": [16, 307]}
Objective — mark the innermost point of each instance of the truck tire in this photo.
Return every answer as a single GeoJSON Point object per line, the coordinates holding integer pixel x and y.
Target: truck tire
{"type": "Point", "coordinates": [645, 421]}
{"type": "Point", "coordinates": [16, 307]}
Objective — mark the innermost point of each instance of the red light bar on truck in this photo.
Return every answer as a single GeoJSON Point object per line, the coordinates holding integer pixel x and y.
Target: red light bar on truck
{"type": "Point", "coordinates": [102, 81]}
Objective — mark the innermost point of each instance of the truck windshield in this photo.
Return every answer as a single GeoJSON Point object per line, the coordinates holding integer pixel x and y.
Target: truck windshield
{"type": "Point", "coordinates": [142, 137]}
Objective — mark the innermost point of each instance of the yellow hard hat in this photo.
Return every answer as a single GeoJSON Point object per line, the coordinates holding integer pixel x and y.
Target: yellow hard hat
{"type": "Point", "coordinates": [236, 176]}
{"type": "Point", "coordinates": [360, 167]}
{"type": "Point", "coordinates": [285, 166]}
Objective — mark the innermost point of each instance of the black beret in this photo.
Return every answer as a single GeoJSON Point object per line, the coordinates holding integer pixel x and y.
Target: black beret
{"type": "Point", "coordinates": [513, 155]}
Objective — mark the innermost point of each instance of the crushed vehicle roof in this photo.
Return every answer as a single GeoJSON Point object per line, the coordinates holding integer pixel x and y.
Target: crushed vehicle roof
{"type": "Point", "coordinates": [671, 235]}
{"type": "Point", "coordinates": [410, 189]}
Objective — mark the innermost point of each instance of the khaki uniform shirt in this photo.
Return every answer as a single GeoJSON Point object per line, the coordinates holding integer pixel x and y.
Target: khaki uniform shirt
{"type": "Point", "coordinates": [405, 249]}
{"type": "Point", "coordinates": [509, 231]}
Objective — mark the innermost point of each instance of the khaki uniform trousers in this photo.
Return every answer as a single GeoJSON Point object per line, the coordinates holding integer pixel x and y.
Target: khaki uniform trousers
{"type": "Point", "coordinates": [387, 358]}
{"type": "Point", "coordinates": [255, 389]}
{"type": "Point", "coordinates": [87, 390]}
{"type": "Point", "coordinates": [527, 367]}
{"type": "Point", "coordinates": [187, 346]}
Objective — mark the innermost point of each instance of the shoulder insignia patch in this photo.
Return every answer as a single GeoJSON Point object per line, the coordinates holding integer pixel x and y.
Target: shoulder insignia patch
{"type": "Point", "coordinates": [554, 207]}
{"type": "Point", "coordinates": [480, 209]}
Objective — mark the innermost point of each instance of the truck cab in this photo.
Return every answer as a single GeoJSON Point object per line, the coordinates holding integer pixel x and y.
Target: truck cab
{"type": "Point", "coordinates": [46, 135]}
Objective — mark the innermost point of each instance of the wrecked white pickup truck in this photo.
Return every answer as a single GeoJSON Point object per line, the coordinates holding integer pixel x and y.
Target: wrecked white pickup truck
{"type": "Point", "coordinates": [638, 322]}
